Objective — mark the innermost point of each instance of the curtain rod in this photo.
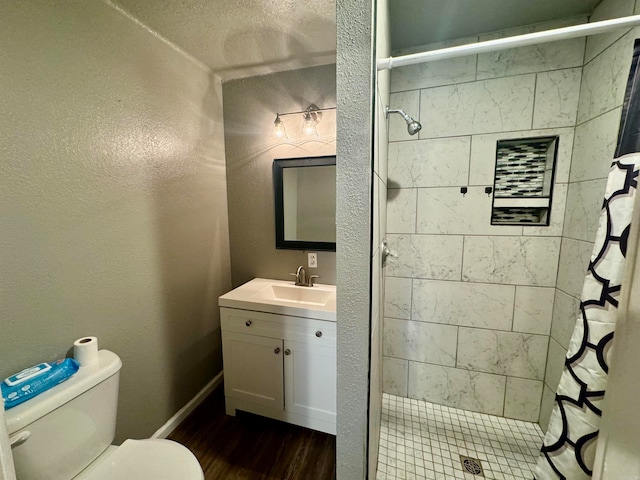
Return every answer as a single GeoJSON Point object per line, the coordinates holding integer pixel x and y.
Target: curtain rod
{"type": "Point", "coordinates": [509, 42]}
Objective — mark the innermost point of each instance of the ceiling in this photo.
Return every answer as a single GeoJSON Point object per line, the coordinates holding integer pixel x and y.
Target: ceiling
{"type": "Point", "coordinates": [419, 22]}
{"type": "Point", "coordinates": [241, 38]}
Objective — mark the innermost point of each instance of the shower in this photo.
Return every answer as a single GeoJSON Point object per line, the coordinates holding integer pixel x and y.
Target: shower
{"type": "Point", "coordinates": [413, 126]}
{"type": "Point", "coordinates": [479, 314]}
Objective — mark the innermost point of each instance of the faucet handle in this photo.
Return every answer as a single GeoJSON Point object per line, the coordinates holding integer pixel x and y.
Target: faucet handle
{"type": "Point", "coordinates": [295, 275]}
{"type": "Point", "coordinates": [310, 280]}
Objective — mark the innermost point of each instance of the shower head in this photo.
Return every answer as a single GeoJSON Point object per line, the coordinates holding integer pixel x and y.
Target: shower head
{"type": "Point", "coordinates": [413, 126]}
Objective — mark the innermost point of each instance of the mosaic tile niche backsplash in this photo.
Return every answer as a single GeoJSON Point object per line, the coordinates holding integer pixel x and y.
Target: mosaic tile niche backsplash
{"type": "Point", "coordinates": [523, 183]}
{"type": "Point", "coordinates": [520, 168]}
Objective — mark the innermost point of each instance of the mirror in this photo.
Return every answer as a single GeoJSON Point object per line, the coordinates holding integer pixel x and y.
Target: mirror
{"type": "Point", "coordinates": [305, 201]}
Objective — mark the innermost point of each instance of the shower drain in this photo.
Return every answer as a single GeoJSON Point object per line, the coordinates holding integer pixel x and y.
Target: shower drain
{"type": "Point", "coordinates": [471, 465]}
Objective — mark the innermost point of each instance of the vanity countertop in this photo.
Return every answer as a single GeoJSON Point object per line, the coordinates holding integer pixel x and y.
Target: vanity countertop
{"type": "Point", "coordinates": [283, 297]}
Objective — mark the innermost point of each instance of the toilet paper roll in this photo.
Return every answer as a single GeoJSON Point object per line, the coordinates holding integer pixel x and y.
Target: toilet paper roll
{"type": "Point", "coordinates": [85, 351]}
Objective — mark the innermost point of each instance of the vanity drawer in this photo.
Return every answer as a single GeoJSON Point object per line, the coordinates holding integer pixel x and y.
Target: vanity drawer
{"type": "Point", "coordinates": [277, 326]}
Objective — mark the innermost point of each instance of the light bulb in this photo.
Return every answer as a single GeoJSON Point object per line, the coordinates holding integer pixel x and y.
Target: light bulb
{"type": "Point", "coordinates": [309, 124]}
{"type": "Point", "coordinates": [278, 128]}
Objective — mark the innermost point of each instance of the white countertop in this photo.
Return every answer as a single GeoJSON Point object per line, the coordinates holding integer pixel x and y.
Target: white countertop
{"type": "Point", "coordinates": [258, 295]}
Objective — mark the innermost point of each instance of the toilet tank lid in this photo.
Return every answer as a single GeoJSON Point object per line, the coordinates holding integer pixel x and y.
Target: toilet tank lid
{"type": "Point", "coordinates": [87, 377]}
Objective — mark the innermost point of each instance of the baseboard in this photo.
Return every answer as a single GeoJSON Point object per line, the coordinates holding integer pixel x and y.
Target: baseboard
{"type": "Point", "coordinates": [165, 430]}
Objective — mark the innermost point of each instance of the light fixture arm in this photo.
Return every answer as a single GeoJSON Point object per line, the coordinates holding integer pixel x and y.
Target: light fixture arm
{"type": "Point", "coordinates": [307, 110]}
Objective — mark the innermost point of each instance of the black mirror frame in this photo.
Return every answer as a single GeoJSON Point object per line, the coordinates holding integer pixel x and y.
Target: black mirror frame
{"type": "Point", "coordinates": [279, 164]}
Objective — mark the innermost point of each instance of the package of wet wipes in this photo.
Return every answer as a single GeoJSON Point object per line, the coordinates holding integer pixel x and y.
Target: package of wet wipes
{"type": "Point", "coordinates": [32, 381]}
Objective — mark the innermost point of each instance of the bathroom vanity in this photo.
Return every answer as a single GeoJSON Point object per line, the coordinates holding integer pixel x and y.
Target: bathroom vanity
{"type": "Point", "coordinates": [279, 352]}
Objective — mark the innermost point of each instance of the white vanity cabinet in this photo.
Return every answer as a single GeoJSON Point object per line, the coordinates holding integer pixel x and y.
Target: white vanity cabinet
{"type": "Point", "coordinates": [280, 366]}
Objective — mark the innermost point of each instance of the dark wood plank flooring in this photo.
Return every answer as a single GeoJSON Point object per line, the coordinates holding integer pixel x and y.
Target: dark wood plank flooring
{"type": "Point", "coordinates": [253, 447]}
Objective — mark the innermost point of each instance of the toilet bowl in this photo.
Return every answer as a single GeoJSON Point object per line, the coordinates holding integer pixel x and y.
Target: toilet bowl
{"type": "Point", "coordinates": [144, 459]}
{"type": "Point", "coordinates": [66, 433]}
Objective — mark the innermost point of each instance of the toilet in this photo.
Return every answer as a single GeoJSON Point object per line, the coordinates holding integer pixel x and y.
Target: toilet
{"type": "Point", "coordinates": [66, 433]}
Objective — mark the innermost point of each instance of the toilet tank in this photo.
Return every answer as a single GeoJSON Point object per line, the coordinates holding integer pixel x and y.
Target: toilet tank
{"type": "Point", "coordinates": [61, 431]}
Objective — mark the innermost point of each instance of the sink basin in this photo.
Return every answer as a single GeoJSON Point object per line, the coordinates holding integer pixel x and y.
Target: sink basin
{"type": "Point", "coordinates": [292, 293]}
{"type": "Point", "coordinates": [282, 297]}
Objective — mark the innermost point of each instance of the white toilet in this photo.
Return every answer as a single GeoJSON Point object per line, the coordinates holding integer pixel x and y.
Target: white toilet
{"type": "Point", "coordinates": [66, 433]}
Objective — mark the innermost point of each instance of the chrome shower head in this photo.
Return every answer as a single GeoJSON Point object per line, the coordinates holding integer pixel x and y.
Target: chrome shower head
{"type": "Point", "coordinates": [413, 126]}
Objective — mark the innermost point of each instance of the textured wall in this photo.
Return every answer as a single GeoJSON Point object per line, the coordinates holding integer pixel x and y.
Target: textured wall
{"type": "Point", "coordinates": [354, 229]}
{"type": "Point", "coordinates": [113, 202]}
{"type": "Point", "coordinates": [605, 73]}
{"type": "Point", "coordinates": [250, 107]}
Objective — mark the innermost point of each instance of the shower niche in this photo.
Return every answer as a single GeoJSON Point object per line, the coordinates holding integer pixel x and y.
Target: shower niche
{"type": "Point", "coordinates": [523, 181]}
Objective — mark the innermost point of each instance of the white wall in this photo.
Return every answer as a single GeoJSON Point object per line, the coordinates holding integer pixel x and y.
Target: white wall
{"type": "Point", "coordinates": [112, 202]}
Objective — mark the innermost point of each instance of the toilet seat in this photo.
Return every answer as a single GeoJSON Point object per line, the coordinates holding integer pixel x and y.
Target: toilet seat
{"type": "Point", "coordinates": [152, 459]}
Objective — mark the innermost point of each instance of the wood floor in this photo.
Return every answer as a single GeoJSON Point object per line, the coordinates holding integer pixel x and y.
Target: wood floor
{"type": "Point", "coordinates": [252, 447]}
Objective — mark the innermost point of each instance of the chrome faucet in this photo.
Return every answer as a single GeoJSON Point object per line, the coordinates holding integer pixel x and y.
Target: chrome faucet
{"type": "Point", "coordinates": [301, 277]}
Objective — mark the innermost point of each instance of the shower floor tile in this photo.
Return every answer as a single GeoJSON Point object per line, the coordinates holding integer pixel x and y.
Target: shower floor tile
{"type": "Point", "coordinates": [421, 440]}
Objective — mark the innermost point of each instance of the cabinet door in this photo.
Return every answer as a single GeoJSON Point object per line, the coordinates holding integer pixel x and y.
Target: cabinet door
{"type": "Point", "coordinates": [253, 369]}
{"type": "Point", "coordinates": [310, 379]}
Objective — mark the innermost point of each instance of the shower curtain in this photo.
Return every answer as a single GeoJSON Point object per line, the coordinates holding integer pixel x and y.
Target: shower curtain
{"type": "Point", "coordinates": [569, 446]}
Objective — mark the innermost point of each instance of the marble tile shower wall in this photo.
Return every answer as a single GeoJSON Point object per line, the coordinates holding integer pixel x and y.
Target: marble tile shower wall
{"type": "Point", "coordinates": [469, 305]}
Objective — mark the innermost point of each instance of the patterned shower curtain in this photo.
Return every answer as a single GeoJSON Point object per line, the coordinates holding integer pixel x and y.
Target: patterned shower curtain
{"type": "Point", "coordinates": [569, 446]}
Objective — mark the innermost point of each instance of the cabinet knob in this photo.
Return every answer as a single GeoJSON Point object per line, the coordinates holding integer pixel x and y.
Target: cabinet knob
{"type": "Point", "coordinates": [277, 350]}
{"type": "Point", "coordinates": [248, 323]}
{"type": "Point", "coordinates": [318, 334]}
{"type": "Point", "coordinates": [287, 352]}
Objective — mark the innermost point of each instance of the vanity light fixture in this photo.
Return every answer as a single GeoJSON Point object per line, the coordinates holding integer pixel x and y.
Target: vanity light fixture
{"type": "Point", "coordinates": [311, 116]}
{"type": "Point", "coordinates": [278, 128]}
